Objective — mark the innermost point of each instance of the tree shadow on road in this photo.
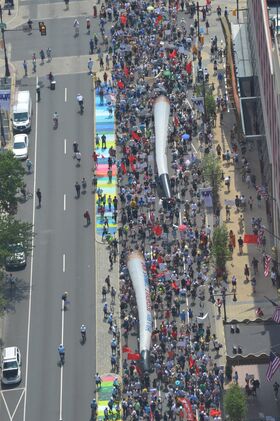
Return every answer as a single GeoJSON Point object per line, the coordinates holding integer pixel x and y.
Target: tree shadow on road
{"type": "Point", "coordinates": [12, 294]}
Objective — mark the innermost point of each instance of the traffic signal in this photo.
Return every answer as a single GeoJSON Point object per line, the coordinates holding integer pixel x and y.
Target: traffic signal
{"type": "Point", "coordinates": [42, 28]}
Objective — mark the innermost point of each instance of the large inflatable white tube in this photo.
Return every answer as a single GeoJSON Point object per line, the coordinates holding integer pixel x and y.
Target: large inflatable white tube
{"type": "Point", "coordinates": [138, 274]}
{"type": "Point", "coordinates": [161, 119]}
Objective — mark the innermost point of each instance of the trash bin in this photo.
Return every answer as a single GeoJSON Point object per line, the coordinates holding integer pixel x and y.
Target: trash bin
{"type": "Point", "coordinates": [53, 83]}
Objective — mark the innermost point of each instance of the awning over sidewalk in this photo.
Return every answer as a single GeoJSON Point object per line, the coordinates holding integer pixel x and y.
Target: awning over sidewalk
{"type": "Point", "coordinates": [241, 50]}
{"type": "Point", "coordinates": [252, 341]}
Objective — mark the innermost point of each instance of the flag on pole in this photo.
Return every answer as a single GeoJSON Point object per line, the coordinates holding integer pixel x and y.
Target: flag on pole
{"type": "Point", "coordinates": [276, 315]}
{"type": "Point", "coordinates": [274, 364]}
{"type": "Point", "coordinates": [267, 265]}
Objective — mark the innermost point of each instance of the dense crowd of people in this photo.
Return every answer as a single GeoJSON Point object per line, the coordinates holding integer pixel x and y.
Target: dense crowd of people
{"type": "Point", "coordinates": [152, 55]}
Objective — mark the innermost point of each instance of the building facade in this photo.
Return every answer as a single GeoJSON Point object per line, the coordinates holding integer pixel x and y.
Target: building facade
{"type": "Point", "coordinates": [266, 68]}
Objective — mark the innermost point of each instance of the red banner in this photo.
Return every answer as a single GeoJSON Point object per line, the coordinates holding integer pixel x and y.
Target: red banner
{"type": "Point", "coordinates": [126, 349]}
{"type": "Point", "coordinates": [133, 356]}
{"type": "Point", "coordinates": [250, 239]}
{"type": "Point", "coordinates": [188, 408]}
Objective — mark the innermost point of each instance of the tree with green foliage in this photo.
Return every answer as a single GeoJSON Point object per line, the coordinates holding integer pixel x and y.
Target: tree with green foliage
{"type": "Point", "coordinates": [14, 231]}
{"type": "Point", "coordinates": [220, 252]}
{"type": "Point", "coordinates": [235, 403]}
{"type": "Point", "coordinates": [11, 179]}
{"type": "Point", "coordinates": [207, 92]}
{"type": "Point", "coordinates": [212, 174]}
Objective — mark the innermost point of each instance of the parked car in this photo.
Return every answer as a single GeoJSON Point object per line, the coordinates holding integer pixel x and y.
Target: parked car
{"type": "Point", "coordinates": [20, 147]}
{"type": "Point", "coordinates": [16, 258]}
{"type": "Point", "coordinates": [10, 365]}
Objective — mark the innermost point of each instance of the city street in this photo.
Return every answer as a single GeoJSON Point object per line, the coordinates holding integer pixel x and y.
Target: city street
{"type": "Point", "coordinates": [62, 261]}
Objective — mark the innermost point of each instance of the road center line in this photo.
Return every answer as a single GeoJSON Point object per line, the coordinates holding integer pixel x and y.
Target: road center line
{"type": "Point", "coordinates": [65, 144]}
{"type": "Point", "coordinates": [64, 202]}
{"type": "Point", "coordinates": [65, 94]}
{"type": "Point", "coordinates": [63, 262]}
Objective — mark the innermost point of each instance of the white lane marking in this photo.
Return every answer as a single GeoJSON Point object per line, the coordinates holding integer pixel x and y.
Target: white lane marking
{"type": "Point", "coordinates": [64, 202]}
{"type": "Point", "coordinates": [65, 146]}
{"type": "Point", "coordinates": [194, 148]}
{"type": "Point", "coordinates": [63, 263]}
{"type": "Point", "coordinates": [61, 366]}
{"type": "Point", "coordinates": [31, 259]}
{"type": "Point", "coordinates": [65, 95]}
{"type": "Point", "coordinates": [6, 405]}
{"type": "Point", "coordinates": [20, 398]}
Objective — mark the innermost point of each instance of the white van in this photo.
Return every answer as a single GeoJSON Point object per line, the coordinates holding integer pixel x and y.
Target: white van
{"type": "Point", "coordinates": [11, 362]}
{"type": "Point", "coordinates": [22, 112]}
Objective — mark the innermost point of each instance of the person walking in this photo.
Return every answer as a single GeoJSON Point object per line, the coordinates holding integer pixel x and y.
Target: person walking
{"type": "Point", "coordinates": [108, 282]}
{"type": "Point", "coordinates": [98, 381]}
{"type": "Point", "coordinates": [103, 141]}
{"type": "Point", "coordinates": [42, 56]}
{"type": "Point", "coordinates": [78, 189]}
{"type": "Point", "coordinates": [34, 64]}
{"type": "Point", "coordinates": [276, 390]}
{"type": "Point", "coordinates": [110, 176]}
{"type": "Point", "coordinates": [25, 68]}
{"type": "Point", "coordinates": [38, 91]}
{"type": "Point", "coordinates": [91, 46]}
{"type": "Point", "coordinates": [87, 217]}
{"type": "Point", "coordinates": [39, 195]}
{"type": "Point", "coordinates": [104, 293]}
{"type": "Point", "coordinates": [255, 264]}
{"type": "Point", "coordinates": [246, 272]}
{"type": "Point", "coordinates": [88, 26]}
{"type": "Point", "coordinates": [90, 66]}
{"type": "Point", "coordinates": [240, 244]}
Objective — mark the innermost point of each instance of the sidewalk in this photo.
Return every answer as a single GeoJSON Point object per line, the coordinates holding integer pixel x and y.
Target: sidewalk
{"type": "Point", "coordinates": [247, 302]}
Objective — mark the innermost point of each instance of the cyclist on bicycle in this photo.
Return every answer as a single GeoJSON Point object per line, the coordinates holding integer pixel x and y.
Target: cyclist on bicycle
{"type": "Point", "coordinates": [83, 331]}
{"type": "Point", "coordinates": [55, 118]}
{"type": "Point", "coordinates": [61, 351]}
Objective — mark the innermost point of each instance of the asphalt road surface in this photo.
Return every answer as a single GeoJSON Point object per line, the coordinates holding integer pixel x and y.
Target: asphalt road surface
{"type": "Point", "coordinates": [63, 260]}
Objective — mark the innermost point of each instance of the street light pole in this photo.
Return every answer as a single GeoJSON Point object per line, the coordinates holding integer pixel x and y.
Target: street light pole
{"type": "Point", "coordinates": [237, 10]}
{"type": "Point", "coordinates": [7, 70]}
{"type": "Point", "coordinates": [224, 295]}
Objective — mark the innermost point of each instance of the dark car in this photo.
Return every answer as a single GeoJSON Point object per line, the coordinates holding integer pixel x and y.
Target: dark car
{"type": "Point", "coordinates": [16, 259]}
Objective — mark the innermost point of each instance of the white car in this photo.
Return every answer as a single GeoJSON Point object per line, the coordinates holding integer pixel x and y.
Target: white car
{"type": "Point", "coordinates": [11, 362]}
{"type": "Point", "coordinates": [20, 147]}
